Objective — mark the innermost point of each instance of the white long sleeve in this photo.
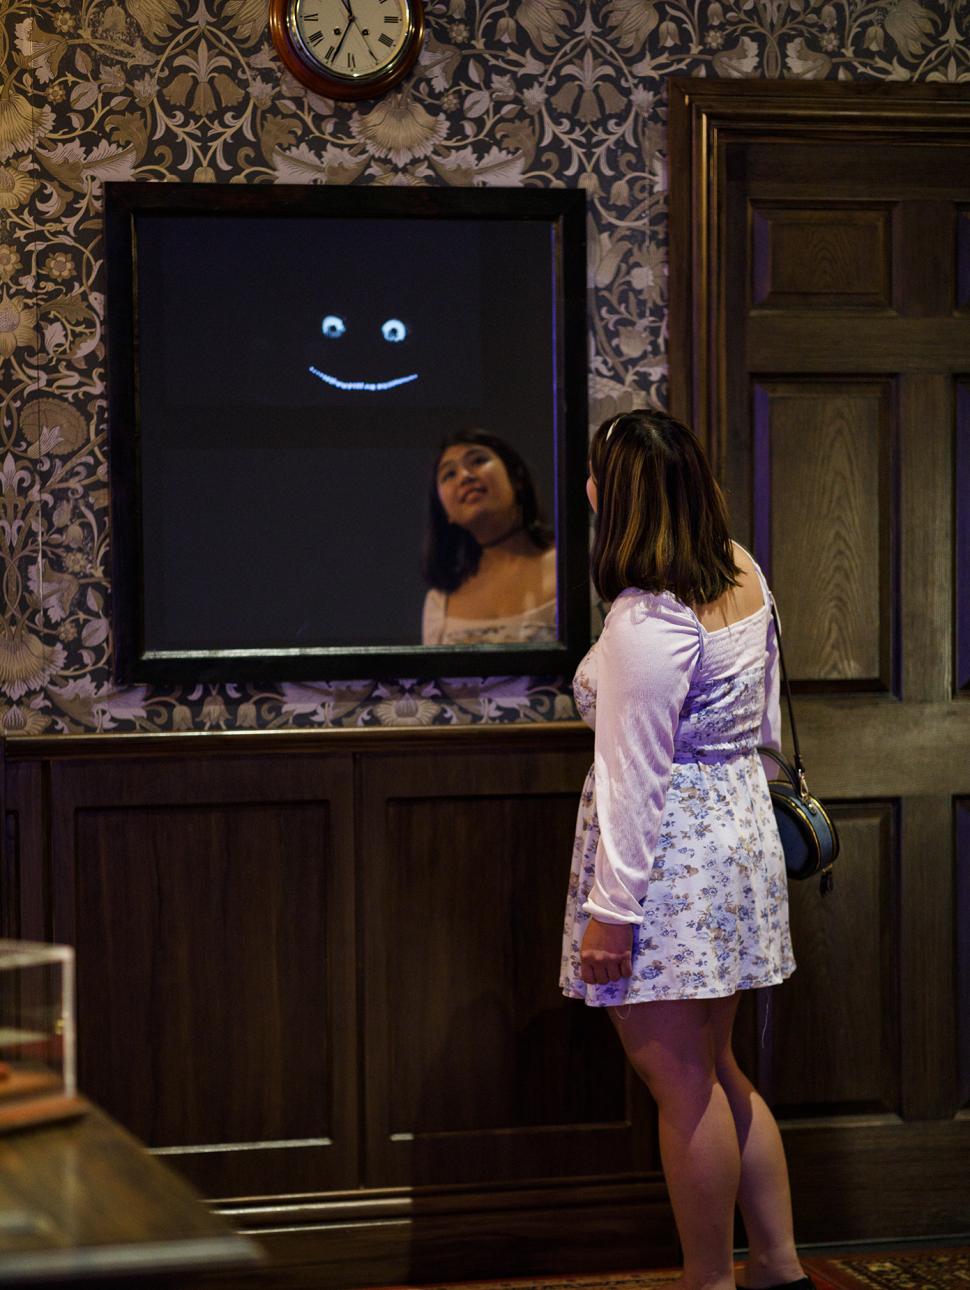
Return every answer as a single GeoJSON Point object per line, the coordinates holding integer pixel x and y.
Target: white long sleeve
{"type": "Point", "coordinates": [770, 734]}
{"type": "Point", "coordinates": [644, 662]}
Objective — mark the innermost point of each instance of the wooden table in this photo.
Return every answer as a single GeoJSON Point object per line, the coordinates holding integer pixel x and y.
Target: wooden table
{"type": "Point", "coordinates": [82, 1200]}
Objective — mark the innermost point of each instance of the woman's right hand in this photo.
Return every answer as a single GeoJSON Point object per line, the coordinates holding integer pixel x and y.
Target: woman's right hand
{"type": "Point", "coordinates": [606, 953]}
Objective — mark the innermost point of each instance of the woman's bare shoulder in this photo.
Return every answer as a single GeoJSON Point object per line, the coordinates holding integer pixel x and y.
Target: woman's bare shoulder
{"type": "Point", "coordinates": [747, 595]}
{"type": "Point", "coordinates": [738, 602]}
{"type": "Point", "coordinates": [549, 573]}
{"type": "Point", "coordinates": [743, 558]}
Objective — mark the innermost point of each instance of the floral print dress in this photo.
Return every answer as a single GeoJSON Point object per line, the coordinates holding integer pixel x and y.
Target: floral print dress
{"type": "Point", "coordinates": [676, 832]}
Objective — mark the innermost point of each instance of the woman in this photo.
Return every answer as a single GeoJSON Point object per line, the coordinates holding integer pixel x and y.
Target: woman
{"type": "Point", "coordinates": [489, 556]}
{"type": "Point", "coordinates": [678, 898]}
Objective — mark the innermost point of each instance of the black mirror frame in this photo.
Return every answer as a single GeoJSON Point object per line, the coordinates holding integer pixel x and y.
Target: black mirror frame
{"type": "Point", "coordinates": [565, 211]}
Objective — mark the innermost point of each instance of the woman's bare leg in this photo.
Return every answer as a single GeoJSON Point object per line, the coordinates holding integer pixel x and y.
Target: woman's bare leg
{"type": "Point", "coordinates": [764, 1196]}
{"type": "Point", "coordinates": [671, 1047]}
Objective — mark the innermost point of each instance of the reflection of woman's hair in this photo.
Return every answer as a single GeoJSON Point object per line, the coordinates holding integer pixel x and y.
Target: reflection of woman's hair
{"type": "Point", "coordinates": [451, 554]}
{"type": "Point", "coordinates": [661, 523]}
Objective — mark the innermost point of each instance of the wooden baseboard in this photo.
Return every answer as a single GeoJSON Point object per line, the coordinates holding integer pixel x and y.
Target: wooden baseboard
{"type": "Point", "coordinates": [458, 1235]}
{"type": "Point", "coordinates": [852, 1180]}
{"type": "Point", "coordinates": [881, 1180]}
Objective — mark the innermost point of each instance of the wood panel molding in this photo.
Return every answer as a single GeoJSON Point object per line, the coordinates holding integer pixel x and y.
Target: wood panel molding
{"type": "Point", "coordinates": [963, 259]}
{"type": "Point", "coordinates": [706, 116]}
{"type": "Point", "coordinates": [962, 538]}
{"type": "Point", "coordinates": [848, 249]}
{"type": "Point", "coordinates": [837, 1049]}
{"type": "Point", "coordinates": [202, 897]}
{"type": "Point", "coordinates": [961, 922]}
{"type": "Point", "coordinates": [824, 472]}
{"type": "Point", "coordinates": [345, 740]}
{"type": "Point", "coordinates": [454, 843]}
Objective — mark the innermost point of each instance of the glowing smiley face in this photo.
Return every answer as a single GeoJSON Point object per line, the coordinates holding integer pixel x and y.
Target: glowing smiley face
{"type": "Point", "coordinates": [393, 332]}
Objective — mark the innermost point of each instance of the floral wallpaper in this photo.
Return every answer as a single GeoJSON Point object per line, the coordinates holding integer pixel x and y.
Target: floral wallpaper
{"type": "Point", "coordinates": [507, 92]}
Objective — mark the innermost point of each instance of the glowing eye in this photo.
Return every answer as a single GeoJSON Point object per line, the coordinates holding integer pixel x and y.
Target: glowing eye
{"type": "Point", "coordinates": [332, 326]}
{"type": "Point", "coordinates": [393, 330]}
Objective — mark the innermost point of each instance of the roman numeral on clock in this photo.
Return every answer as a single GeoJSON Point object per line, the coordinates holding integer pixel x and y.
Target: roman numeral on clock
{"type": "Point", "coordinates": [385, 39]}
{"type": "Point", "coordinates": [316, 37]}
{"type": "Point", "coordinates": [392, 17]}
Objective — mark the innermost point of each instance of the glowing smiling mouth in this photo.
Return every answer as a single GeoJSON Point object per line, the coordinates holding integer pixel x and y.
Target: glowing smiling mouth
{"type": "Point", "coordinates": [363, 385]}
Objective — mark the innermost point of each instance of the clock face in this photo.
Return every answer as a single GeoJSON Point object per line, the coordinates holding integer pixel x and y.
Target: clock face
{"type": "Point", "coordinates": [355, 41]}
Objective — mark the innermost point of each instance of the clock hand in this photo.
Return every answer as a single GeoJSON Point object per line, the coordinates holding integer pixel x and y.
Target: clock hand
{"type": "Point", "coordinates": [340, 44]}
{"type": "Point", "coordinates": [360, 31]}
{"type": "Point", "coordinates": [367, 43]}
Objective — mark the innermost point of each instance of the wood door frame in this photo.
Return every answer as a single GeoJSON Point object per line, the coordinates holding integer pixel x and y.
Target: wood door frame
{"type": "Point", "coordinates": [705, 116]}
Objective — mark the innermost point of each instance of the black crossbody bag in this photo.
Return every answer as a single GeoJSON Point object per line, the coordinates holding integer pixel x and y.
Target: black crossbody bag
{"type": "Point", "coordinates": [809, 838]}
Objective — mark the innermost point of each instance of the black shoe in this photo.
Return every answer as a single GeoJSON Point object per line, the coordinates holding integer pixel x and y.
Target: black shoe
{"type": "Point", "coordinates": [803, 1283]}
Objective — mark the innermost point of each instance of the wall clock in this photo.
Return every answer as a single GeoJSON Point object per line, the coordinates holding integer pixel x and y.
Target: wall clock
{"type": "Point", "coordinates": [348, 49]}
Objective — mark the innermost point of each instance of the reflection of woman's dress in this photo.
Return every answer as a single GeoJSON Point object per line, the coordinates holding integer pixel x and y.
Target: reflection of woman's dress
{"type": "Point", "coordinates": [676, 832]}
{"type": "Point", "coordinates": [438, 627]}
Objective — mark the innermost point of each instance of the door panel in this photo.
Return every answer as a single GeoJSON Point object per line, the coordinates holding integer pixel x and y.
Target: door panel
{"type": "Point", "coordinates": [962, 514]}
{"type": "Point", "coordinates": [853, 1067]}
{"type": "Point", "coordinates": [821, 348]}
{"type": "Point", "coordinates": [210, 903]}
{"type": "Point", "coordinates": [805, 257]}
{"type": "Point", "coordinates": [823, 524]}
{"type": "Point", "coordinates": [476, 1067]}
{"type": "Point", "coordinates": [962, 938]}
{"type": "Point", "coordinates": [963, 258]}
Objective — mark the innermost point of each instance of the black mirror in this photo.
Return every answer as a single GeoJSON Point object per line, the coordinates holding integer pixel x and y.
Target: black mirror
{"type": "Point", "coordinates": [284, 364]}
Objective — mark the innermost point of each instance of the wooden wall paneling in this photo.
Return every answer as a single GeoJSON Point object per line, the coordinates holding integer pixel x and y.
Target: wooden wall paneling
{"type": "Point", "coordinates": [824, 518]}
{"type": "Point", "coordinates": [835, 1036]}
{"type": "Point", "coordinates": [785, 165]}
{"type": "Point", "coordinates": [716, 132]}
{"type": "Point", "coordinates": [211, 905]}
{"type": "Point", "coordinates": [687, 235]}
{"type": "Point", "coordinates": [864, 747]}
{"type": "Point", "coordinates": [9, 860]}
{"type": "Point", "coordinates": [757, 313]}
{"type": "Point", "coordinates": [731, 434]}
{"type": "Point", "coordinates": [477, 1068]}
{"type": "Point", "coordinates": [851, 346]}
{"type": "Point", "coordinates": [818, 257]}
{"type": "Point", "coordinates": [926, 473]}
{"type": "Point", "coordinates": [927, 958]}
{"type": "Point", "coordinates": [924, 258]}
{"type": "Point", "coordinates": [961, 512]}
{"type": "Point", "coordinates": [570, 1226]}
{"type": "Point", "coordinates": [963, 257]}
{"type": "Point", "coordinates": [887, 1179]}
{"type": "Point", "coordinates": [961, 926]}
{"type": "Point", "coordinates": [24, 894]}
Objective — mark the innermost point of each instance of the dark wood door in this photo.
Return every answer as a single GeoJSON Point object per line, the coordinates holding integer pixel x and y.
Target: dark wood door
{"type": "Point", "coordinates": [822, 347]}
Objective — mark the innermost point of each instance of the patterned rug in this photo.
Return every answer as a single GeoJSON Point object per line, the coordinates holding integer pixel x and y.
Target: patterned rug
{"type": "Point", "coordinates": [937, 1269]}
{"type": "Point", "coordinates": [913, 1270]}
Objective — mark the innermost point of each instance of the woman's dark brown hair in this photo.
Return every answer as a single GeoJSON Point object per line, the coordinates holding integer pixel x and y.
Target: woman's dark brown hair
{"type": "Point", "coordinates": [451, 554]}
{"type": "Point", "coordinates": [661, 522]}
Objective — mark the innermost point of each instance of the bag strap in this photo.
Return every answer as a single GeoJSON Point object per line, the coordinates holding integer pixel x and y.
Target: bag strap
{"type": "Point", "coordinates": [799, 764]}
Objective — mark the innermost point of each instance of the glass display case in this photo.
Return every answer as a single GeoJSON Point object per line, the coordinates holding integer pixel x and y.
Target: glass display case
{"type": "Point", "coordinates": [37, 1059]}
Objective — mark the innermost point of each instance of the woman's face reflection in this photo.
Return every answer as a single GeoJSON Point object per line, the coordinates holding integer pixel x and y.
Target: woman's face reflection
{"type": "Point", "coordinates": [473, 484]}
